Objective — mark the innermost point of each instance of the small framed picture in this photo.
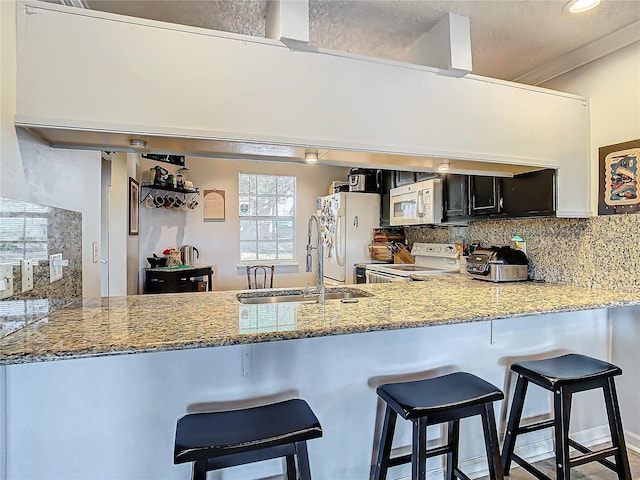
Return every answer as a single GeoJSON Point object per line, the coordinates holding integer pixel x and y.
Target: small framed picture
{"type": "Point", "coordinates": [214, 204]}
{"type": "Point", "coordinates": [134, 207]}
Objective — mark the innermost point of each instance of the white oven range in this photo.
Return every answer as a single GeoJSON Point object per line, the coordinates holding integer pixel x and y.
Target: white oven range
{"type": "Point", "coordinates": [430, 259]}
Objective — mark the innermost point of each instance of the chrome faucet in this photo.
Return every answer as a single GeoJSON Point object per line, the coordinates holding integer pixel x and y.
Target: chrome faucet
{"type": "Point", "coordinates": [320, 254]}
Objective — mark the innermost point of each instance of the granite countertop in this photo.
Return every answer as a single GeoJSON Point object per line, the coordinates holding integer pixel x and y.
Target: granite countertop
{"type": "Point", "coordinates": [143, 323]}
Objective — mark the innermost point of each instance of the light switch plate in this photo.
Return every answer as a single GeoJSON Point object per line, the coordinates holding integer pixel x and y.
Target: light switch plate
{"type": "Point", "coordinates": [55, 273]}
{"type": "Point", "coordinates": [26, 267]}
{"type": "Point", "coordinates": [96, 252]}
{"type": "Point", "coordinates": [6, 280]}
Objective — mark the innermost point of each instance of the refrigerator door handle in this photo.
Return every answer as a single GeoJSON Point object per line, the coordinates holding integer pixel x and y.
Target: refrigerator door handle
{"type": "Point", "coordinates": [339, 240]}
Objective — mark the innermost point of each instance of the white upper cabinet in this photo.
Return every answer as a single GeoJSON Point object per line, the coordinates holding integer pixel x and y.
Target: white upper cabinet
{"type": "Point", "coordinates": [92, 79]}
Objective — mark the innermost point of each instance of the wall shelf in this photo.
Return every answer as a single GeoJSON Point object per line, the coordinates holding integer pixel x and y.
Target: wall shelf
{"type": "Point", "coordinates": [194, 192]}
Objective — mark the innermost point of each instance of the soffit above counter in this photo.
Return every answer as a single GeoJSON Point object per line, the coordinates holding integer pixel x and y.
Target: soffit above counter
{"type": "Point", "coordinates": [259, 99]}
{"type": "Point", "coordinates": [114, 141]}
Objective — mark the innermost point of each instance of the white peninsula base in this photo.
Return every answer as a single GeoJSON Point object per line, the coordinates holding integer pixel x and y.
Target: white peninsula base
{"type": "Point", "coordinates": [114, 417]}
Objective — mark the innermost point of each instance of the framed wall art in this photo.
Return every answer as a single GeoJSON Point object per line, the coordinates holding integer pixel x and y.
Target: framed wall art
{"type": "Point", "coordinates": [618, 178]}
{"type": "Point", "coordinates": [134, 207]}
{"type": "Point", "coordinates": [214, 206]}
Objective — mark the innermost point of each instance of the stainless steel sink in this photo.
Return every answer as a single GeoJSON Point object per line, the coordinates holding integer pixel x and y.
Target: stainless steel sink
{"type": "Point", "coordinates": [300, 297]}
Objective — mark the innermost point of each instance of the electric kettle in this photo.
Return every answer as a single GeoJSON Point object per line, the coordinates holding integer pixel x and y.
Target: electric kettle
{"type": "Point", "coordinates": [188, 254]}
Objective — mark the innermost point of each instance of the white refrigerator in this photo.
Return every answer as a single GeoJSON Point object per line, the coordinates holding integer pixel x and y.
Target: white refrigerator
{"type": "Point", "coordinates": [347, 221]}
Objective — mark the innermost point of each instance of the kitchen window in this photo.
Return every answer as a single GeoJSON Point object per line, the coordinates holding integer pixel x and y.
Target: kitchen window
{"type": "Point", "coordinates": [267, 206]}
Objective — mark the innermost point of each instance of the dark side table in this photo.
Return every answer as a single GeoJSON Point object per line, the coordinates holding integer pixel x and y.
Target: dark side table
{"type": "Point", "coordinates": [178, 279]}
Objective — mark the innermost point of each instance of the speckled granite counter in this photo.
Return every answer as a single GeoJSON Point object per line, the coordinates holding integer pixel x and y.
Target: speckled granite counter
{"type": "Point", "coordinates": [135, 324]}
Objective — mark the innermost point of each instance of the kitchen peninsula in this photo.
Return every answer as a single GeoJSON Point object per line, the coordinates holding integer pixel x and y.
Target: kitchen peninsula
{"type": "Point", "coordinates": [199, 351]}
{"type": "Point", "coordinates": [136, 324]}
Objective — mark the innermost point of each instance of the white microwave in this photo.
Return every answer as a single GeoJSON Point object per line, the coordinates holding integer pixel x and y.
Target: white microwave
{"type": "Point", "coordinates": [416, 204]}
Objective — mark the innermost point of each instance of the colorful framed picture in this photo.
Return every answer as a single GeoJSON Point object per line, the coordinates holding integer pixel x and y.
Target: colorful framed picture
{"type": "Point", "coordinates": [134, 207]}
{"type": "Point", "coordinates": [619, 178]}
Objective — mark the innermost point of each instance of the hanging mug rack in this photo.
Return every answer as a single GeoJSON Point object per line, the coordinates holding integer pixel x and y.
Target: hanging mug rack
{"type": "Point", "coordinates": [176, 198]}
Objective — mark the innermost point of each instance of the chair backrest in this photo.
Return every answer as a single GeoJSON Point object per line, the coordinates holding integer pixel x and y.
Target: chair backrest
{"type": "Point", "coordinates": [257, 276]}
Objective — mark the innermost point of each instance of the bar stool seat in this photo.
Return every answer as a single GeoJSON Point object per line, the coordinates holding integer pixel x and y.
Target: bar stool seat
{"type": "Point", "coordinates": [447, 398]}
{"type": "Point", "coordinates": [224, 439]}
{"type": "Point", "coordinates": [566, 375]}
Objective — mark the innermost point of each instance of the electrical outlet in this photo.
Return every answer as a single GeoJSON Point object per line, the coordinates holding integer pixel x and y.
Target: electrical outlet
{"type": "Point", "coordinates": [6, 280]}
{"type": "Point", "coordinates": [55, 272]}
{"type": "Point", "coordinates": [26, 267]}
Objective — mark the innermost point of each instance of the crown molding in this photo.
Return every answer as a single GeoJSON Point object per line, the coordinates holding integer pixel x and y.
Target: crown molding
{"type": "Point", "coordinates": [583, 55]}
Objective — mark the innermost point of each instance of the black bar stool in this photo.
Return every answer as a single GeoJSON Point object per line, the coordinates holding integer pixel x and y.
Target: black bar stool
{"type": "Point", "coordinates": [564, 376]}
{"type": "Point", "coordinates": [225, 439]}
{"type": "Point", "coordinates": [432, 401]}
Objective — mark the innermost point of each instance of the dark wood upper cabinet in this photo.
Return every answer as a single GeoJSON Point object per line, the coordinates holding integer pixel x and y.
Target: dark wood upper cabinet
{"type": "Point", "coordinates": [529, 194]}
{"type": "Point", "coordinates": [404, 178]}
{"type": "Point", "coordinates": [387, 180]}
{"type": "Point", "coordinates": [420, 176]}
{"type": "Point", "coordinates": [456, 197]}
{"type": "Point", "coordinates": [484, 195]}
{"type": "Point", "coordinates": [469, 197]}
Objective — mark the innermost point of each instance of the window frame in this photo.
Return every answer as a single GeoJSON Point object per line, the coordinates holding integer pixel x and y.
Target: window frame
{"type": "Point", "coordinates": [22, 217]}
{"type": "Point", "coordinates": [275, 219]}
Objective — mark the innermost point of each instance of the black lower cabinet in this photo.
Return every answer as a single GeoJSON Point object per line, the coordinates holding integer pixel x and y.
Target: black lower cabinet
{"type": "Point", "coordinates": [197, 279]}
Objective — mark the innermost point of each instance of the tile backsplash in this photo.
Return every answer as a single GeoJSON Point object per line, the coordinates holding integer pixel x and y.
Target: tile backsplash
{"type": "Point", "coordinates": [601, 252]}
{"type": "Point", "coordinates": [33, 232]}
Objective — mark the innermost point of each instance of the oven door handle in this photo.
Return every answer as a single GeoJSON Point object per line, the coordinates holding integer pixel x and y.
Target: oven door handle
{"type": "Point", "coordinates": [372, 274]}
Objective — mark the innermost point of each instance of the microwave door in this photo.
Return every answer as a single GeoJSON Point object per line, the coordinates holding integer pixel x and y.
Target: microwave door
{"type": "Point", "coordinates": [404, 210]}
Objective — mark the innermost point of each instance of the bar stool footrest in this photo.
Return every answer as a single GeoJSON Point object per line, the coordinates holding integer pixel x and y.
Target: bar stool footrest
{"type": "Point", "coordinates": [533, 427]}
{"type": "Point", "coordinates": [593, 455]}
{"type": "Point", "coordinates": [432, 452]}
{"type": "Point", "coordinates": [529, 468]}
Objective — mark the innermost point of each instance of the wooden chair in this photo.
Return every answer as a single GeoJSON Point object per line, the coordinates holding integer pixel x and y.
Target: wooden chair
{"type": "Point", "coordinates": [259, 273]}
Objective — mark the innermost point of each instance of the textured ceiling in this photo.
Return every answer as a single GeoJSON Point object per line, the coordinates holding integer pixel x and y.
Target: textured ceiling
{"type": "Point", "coordinates": [509, 38]}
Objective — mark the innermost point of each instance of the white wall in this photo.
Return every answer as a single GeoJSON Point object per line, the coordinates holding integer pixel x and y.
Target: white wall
{"type": "Point", "coordinates": [612, 85]}
{"type": "Point", "coordinates": [30, 170]}
{"type": "Point", "coordinates": [218, 242]}
{"type": "Point", "coordinates": [133, 251]}
{"type": "Point", "coordinates": [116, 224]}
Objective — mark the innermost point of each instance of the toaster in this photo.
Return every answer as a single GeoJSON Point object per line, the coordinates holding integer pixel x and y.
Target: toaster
{"type": "Point", "coordinates": [498, 264]}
